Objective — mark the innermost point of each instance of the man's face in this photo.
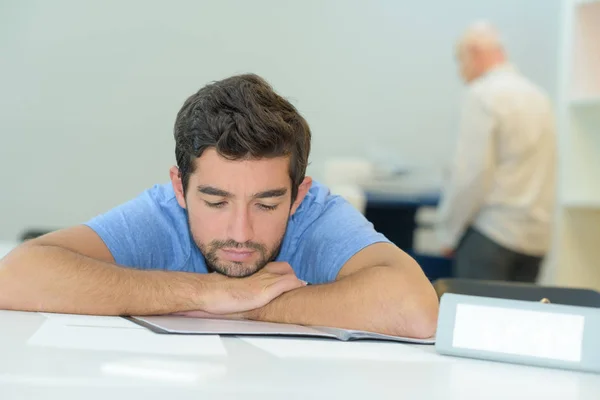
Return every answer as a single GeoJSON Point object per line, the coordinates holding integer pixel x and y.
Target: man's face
{"type": "Point", "coordinates": [238, 210]}
{"type": "Point", "coordinates": [467, 63]}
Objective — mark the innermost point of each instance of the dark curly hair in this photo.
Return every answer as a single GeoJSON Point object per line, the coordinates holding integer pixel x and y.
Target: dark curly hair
{"type": "Point", "coordinates": [241, 117]}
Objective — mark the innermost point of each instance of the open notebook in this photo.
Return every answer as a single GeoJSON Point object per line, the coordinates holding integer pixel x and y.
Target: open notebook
{"type": "Point", "coordinates": [202, 326]}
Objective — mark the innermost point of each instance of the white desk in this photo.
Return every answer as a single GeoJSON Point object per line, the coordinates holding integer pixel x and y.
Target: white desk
{"type": "Point", "coordinates": [29, 370]}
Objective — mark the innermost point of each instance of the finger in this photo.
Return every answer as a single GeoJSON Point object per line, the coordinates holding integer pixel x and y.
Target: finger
{"type": "Point", "coordinates": [282, 285]}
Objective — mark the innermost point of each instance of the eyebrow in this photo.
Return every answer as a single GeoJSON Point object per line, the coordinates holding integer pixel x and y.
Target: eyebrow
{"type": "Point", "coordinates": [270, 193]}
{"type": "Point", "coordinates": [213, 191]}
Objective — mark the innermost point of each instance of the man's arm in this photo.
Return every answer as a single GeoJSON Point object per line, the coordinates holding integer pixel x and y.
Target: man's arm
{"type": "Point", "coordinates": [471, 172]}
{"type": "Point", "coordinates": [72, 271]}
{"type": "Point", "coordinates": [380, 289]}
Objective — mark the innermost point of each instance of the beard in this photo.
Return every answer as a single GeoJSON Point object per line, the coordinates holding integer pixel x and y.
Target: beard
{"type": "Point", "coordinates": [235, 268]}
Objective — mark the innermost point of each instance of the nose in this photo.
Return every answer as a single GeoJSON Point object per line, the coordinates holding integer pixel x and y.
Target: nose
{"type": "Point", "coordinates": [240, 225]}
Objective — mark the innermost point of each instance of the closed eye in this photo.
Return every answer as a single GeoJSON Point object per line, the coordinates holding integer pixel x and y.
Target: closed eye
{"type": "Point", "coordinates": [220, 204]}
{"type": "Point", "coordinates": [267, 207]}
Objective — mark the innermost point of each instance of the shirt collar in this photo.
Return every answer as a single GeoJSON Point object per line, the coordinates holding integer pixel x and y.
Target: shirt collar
{"type": "Point", "coordinates": [501, 68]}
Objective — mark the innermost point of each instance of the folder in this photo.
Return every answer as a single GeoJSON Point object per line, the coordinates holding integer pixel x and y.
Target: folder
{"type": "Point", "coordinates": [170, 324]}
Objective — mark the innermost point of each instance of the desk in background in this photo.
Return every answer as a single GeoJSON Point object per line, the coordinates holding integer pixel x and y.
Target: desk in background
{"type": "Point", "coordinates": [394, 215]}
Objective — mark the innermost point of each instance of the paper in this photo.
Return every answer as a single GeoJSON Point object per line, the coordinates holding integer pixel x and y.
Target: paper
{"type": "Point", "coordinates": [65, 333]}
{"type": "Point", "coordinates": [91, 321]}
{"type": "Point", "coordinates": [334, 349]}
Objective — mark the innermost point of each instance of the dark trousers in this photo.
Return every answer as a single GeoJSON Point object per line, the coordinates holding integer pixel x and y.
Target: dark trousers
{"type": "Point", "coordinates": [479, 257]}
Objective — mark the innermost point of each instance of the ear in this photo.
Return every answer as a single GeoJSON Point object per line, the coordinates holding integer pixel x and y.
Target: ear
{"type": "Point", "coordinates": [302, 191]}
{"type": "Point", "coordinates": [177, 185]}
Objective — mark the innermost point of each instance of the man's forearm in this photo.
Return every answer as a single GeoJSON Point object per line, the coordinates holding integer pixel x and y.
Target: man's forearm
{"type": "Point", "coordinates": [375, 299]}
{"type": "Point", "coordinates": [53, 279]}
{"type": "Point", "coordinates": [460, 203]}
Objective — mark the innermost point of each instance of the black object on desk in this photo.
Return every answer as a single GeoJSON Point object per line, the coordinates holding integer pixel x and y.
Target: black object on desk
{"type": "Point", "coordinates": [518, 291]}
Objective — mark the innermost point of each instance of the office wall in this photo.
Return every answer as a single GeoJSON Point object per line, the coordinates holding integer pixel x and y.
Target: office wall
{"type": "Point", "coordinates": [89, 89]}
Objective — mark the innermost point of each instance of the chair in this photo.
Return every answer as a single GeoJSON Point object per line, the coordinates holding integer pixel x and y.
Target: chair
{"type": "Point", "coordinates": [518, 291]}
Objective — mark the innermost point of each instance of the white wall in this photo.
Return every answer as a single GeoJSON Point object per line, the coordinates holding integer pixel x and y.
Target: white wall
{"type": "Point", "coordinates": [89, 89]}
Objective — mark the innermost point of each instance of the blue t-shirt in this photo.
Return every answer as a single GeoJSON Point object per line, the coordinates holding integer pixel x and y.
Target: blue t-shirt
{"type": "Point", "coordinates": [151, 232]}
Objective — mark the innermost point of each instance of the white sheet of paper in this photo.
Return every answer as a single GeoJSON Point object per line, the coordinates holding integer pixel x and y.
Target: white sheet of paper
{"type": "Point", "coordinates": [334, 349]}
{"type": "Point", "coordinates": [54, 332]}
{"type": "Point", "coordinates": [91, 321]}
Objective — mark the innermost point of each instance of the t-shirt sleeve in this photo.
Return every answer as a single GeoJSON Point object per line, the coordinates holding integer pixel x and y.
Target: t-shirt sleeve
{"type": "Point", "coordinates": [339, 233]}
{"type": "Point", "coordinates": [141, 234]}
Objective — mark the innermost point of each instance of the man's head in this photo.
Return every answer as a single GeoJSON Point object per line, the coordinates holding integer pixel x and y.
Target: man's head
{"type": "Point", "coordinates": [242, 152]}
{"type": "Point", "coordinates": [479, 50]}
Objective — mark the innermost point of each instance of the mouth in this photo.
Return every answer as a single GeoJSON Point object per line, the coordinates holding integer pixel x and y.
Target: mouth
{"type": "Point", "coordinates": [237, 255]}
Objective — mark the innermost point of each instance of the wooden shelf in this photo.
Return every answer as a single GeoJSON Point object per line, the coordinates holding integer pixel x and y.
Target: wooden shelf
{"type": "Point", "coordinates": [575, 254]}
{"type": "Point", "coordinates": [580, 250]}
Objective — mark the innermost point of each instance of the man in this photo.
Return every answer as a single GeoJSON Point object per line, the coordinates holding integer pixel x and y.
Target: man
{"type": "Point", "coordinates": [237, 233]}
{"type": "Point", "coordinates": [495, 214]}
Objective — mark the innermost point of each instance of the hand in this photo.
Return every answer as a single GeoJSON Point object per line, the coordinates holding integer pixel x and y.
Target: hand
{"type": "Point", "coordinates": [448, 253]}
{"type": "Point", "coordinates": [238, 295]}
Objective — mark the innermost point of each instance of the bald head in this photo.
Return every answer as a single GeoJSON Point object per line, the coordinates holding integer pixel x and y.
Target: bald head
{"type": "Point", "coordinates": [479, 50]}
{"type": "Point", "coordinates": [481, 35]}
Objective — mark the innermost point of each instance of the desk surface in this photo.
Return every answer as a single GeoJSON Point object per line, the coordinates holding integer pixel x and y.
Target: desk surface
{"type": "Point", "coordinates": [372, 370]}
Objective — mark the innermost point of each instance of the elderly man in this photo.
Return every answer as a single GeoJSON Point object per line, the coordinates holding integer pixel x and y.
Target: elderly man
{"type": "Point", "coordinates": [496, 209]}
